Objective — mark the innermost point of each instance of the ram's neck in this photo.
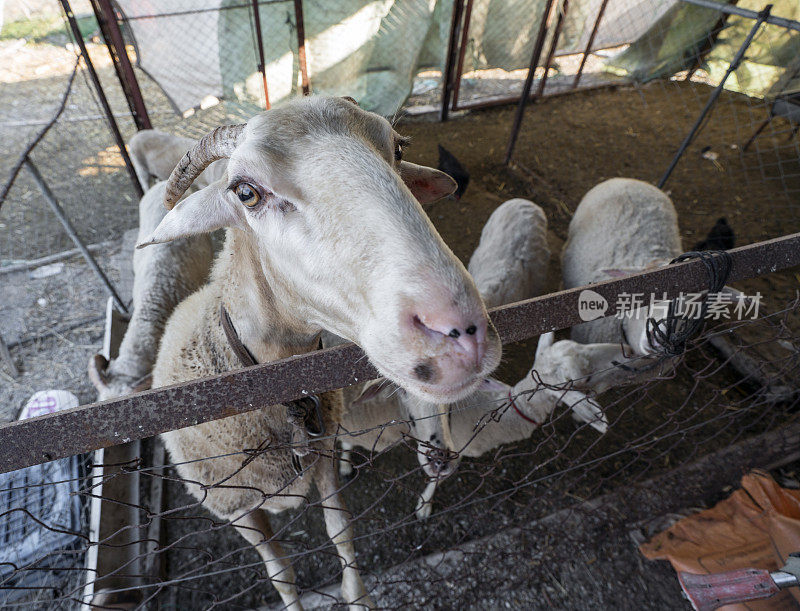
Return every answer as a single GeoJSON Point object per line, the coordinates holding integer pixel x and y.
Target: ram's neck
{"type": "Point", "coordinates": [265, 326]}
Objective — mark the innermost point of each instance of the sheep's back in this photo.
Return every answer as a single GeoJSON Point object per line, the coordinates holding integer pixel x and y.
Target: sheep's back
{"type": "Point", "coordinates": [620, 223]}
{"type": "Point", "coordinates": [510, 262]}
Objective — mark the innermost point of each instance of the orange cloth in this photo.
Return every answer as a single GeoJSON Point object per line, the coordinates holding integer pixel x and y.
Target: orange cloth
{"type": "Point", "coordinates": [757, 526]}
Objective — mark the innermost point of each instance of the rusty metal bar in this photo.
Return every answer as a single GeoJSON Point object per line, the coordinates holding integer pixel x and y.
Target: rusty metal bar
{"type": "Point", "coordinates": [447, 76]}
{"type": "Point", "coordinates": [101, 94]}
{"type": "Point", "coordinates": [109, 27]}
{"type": "Point", "coordinates": [526, 88]}
{"type": "Point", "coordinates": [562, 14]}
{"type": "Point", "coordinates": [301, 46]}
{"type": "Point", "coordinates": [262, 64]}
{"type": "Point", "coordinates": [101, 425]}
{"type": "Point", "coordinates": [69, 228]}
{"type": "Point", "coordinates": [462, 51]}
{"type": "Point", "coordinates": [587, 51]}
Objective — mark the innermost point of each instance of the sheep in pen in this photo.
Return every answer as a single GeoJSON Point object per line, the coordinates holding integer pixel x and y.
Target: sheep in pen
{"type": "Point", "coordinates": [460, 477]}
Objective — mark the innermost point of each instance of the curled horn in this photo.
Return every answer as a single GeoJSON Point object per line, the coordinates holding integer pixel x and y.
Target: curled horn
{"type": "Point", "coordinates": [218, 144]}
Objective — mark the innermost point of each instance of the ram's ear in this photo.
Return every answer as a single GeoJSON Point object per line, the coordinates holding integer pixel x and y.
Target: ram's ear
{"type": "Point", "coordinates": [202, 212]}
{"type": "Point", "coordinates": [426, 184]}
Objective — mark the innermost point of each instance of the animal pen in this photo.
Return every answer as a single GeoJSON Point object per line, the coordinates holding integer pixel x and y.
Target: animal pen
{"type": "Point", "coordinates": [541, 99]}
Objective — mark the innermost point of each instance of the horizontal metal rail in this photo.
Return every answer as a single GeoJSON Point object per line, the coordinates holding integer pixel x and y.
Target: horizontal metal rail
{"type": "Point", "coordinates": [99, 425]}
{"type": "Point", "coordinates": [732, 9]}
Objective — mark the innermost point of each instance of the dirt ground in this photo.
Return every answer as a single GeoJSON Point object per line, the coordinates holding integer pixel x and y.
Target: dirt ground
{"type": "Point", "coordinates": [567, 145]}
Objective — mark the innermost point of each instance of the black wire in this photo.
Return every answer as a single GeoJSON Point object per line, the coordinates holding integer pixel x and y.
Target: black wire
{"type": "Point", "coordinates": [669, 336]}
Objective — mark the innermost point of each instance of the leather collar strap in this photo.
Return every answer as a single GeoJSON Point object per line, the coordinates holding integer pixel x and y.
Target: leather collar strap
{"type": "Point", "coordinates": [245, 357]}
{"type": "Point", "coordinates": [305, 414]}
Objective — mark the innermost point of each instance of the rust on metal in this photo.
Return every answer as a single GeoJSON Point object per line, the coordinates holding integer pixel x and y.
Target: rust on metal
{"type": "Point", "coordinates": [526, 88]}
{"type": "Point", "coordinates": [562, 15]}
{"type": "Point", "coordinates": [89, 427]}
{"type": "Point", "coordinates": [301, 46]}
{"type": "Point", "coordinates": [447, 77]}
{"type": "Point", "coordinates": [101, 95]}
{"type": "Point", "coordinates": [262, 65]}
{"type": "Point", "coordinates": [589, 43]}
{"type": "Point", "coordinates": [462, 52]}
{"type": "Point", "coordinates": [109, 27]}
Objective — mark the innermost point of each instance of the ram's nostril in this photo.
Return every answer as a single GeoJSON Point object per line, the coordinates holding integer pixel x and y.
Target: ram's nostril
{"type": "Point", "coordinates": [455, 333]}
{"type": "Point", "coordinates": [471, 330]}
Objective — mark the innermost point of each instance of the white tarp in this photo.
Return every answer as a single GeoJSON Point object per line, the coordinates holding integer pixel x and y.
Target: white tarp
{"type": "Point", "coordinates": [370, 50]}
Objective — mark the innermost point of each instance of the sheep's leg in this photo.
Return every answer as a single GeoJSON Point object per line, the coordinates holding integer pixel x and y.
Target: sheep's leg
{"type": "Point", "coordinates": [425, 502]}
{"type": "Point", "coordinates": [345, 459]}
{"type": "Point", "coordinates": [337, 523]}
{"type": "Point", "coordinates": [254, 526]}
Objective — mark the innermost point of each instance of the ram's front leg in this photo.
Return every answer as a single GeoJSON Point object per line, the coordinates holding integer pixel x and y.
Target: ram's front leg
{"type": "Point", "coordinates": [337, 523]}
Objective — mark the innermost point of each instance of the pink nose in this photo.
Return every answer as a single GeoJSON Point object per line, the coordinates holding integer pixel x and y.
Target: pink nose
{"type": "Point", "coordinates": [467, 333]}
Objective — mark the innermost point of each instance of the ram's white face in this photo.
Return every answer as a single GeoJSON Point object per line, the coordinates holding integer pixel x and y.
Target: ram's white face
{"type": "Point", "coordinates": [334, 214]}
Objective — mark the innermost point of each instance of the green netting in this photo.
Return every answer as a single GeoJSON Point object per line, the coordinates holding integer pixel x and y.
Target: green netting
{"type": "Point", "coordinates": [675, 41]}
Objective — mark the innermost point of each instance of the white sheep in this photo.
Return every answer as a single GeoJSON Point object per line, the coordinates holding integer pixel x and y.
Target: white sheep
{"type": "Point", "coordinates": [621, 226]}
{"type": "Point", "coordinates": [494, 415]}
{"type": "Point", "coordinates": [511, 260]}
{"type": "Point", "coordinates": [509, 264]}
{"type": "Point", "coordinates": [322, 233]}
{"type": "Point", "coordinates": [163, 276]}
{"type": "Point", "coordinates": [155, 154]}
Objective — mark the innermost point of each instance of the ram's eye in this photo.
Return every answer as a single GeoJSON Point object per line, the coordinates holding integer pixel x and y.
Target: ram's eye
{"type": "Point", "coordinates": [398, 152]}
{"type": "Point", "coordinates": [247, 194]}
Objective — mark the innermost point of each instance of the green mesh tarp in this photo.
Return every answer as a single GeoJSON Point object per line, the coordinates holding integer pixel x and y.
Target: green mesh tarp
{"type": "Point", "coordinates": [673, 43]}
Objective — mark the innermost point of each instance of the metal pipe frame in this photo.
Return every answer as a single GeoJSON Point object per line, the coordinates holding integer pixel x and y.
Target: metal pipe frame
{"type": "Point", "coordinates": [588, 50]}
{"type": "Point", "coordinates": [789, 24]}
{"type": "Point", "coordinates": [101, 94]}
{"type": "Point", "coordinates": [449, 63]}
{"type": "Point", "coordinates": [262, 66]}
{"type": "Point", "coordinates": [70, 229]}
{"type": "Point", "coordinates": [709, 44]}
{"type": "Point", "coordinates": [101, 425]}
{"type": "Point", "coordinates": [526, 88]}
{"type": "Point", "coordinates": [462, 52]}
{"type": "Point", "coordinates": [562, 14]}
{"type": "Point", "coordinates": [737, 59]}
{"type": "Point", "coordinates": [109, 27]}
{"type": "Point", "coordinates": [301, 46]}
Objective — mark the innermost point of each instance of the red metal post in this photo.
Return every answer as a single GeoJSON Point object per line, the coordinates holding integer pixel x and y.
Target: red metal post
{"type": "Point", "coordinates": [262, 67]}
{"type": "Point", "coordinates": [301, 46]}
{"type": "Point", "coordinates": [590, 42]}
{"type": "Point", "coordinates": [562, 14]}
{"type": "Point", "coordinates": [462, 51]}
{"type": "Point", "coordinates": [447, 77]}
{"type": "Point", "coordinates": [101, 95]}
{"type": "Point", "coordinates": [109, 27]}
{"type": "Point", "coordinates": [526, 88]}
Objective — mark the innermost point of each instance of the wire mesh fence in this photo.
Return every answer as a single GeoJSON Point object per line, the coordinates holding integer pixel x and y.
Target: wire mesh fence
{"type": "Point", "coordinates": [683, 52]}
{"type": "Point", "coordinates": [535, 497]}
{"type": "Point", "coordinates": [494, 509]}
